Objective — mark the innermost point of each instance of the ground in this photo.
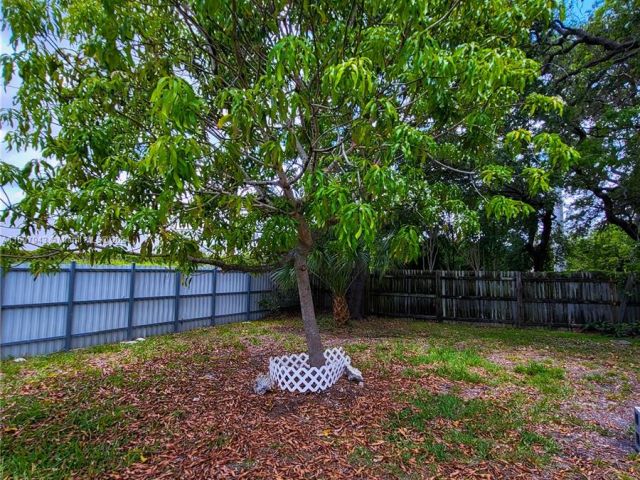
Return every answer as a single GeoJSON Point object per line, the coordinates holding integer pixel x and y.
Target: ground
{"type": "Point", "coordinates": [439, 401]}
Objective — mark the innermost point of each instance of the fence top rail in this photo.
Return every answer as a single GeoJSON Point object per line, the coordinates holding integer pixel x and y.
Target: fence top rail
{"type": "Point", "coordinates": [587, 277]}
{"type": "Point", "coordinates": [110, 268]}
{"type": "Point", "coordinates": [65, 268]}
{"type": "Point", "coordinates": [491, 278]}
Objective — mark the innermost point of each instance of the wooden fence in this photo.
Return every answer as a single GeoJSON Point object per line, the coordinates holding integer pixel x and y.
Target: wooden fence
{"type": "Point", "coordinates": [516, 298]}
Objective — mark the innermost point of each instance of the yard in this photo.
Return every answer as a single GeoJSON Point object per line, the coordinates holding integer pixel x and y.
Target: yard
{"type": "Point", "coordinates": [439, 400]}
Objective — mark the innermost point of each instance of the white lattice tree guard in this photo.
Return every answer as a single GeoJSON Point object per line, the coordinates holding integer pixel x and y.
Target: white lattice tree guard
{"type": "Point", "coordinates": [293, 373]}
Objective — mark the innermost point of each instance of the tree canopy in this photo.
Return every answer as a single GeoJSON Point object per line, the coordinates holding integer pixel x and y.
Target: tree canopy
{"type": "Point", "coordinates": [233, 132]}
{"type": "Point", "coordinates": [596, 69]}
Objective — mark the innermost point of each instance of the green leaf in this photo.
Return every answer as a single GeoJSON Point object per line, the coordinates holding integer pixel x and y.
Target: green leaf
{"type": "Point", "coordinates": [223, 120]}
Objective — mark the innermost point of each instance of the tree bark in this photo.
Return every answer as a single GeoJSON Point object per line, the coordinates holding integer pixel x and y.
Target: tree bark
{"type": "Point", "coordinates": [314, 344]}
{"type": "Point", "coordinates": [340, 309]}
{"type": "Point", "coordinates": [627, 227]}
{"type": "Point", "coordinates": [540, 253]}
{"type": "Point", "coordinates": [305, 244]}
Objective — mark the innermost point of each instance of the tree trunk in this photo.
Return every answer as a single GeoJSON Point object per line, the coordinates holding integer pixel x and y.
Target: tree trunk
{"type": "Point", "coordinates": [305, 244]}
{"type": "Point", "coordinates": [356, 293]}
{"type": "Point", "coordinates": [627, 227]}
{"type": "Point", "coordinates": [314, 344]}
{"type": "Point", "coordinates": [340, 309]}
{"type": "Point", "coordinates": [540, 253]}
{"type": "Point", "coordinates": [539, 261]}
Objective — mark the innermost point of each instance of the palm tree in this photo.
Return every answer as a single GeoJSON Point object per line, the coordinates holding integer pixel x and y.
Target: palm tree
{"type": "Point", "coordinates": [334, 269]}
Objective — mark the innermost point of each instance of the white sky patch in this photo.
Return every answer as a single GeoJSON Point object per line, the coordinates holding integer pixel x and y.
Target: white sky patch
{"type": "Point", "coordinates": [19, 159]}
{"type": "Point", "coordinates": [7, 95]}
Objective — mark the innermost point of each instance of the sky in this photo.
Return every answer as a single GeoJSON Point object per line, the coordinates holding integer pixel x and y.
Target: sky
{"type": "Point", "coordinates": [6, 101]}
{"type": "Point", "coordinates": [577, 12]}
{"type": "Point", "coordinates": [13, 157]}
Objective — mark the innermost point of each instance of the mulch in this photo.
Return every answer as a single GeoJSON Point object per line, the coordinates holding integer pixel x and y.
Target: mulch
{"type": "Point", "coordinates": [201, 420]}
{"type": "Point", "coordinates": [227, 431]}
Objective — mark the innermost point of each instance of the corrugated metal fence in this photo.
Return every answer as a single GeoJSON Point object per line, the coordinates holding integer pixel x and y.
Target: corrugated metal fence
{"type": "Point", "coordinates": [83, 305]}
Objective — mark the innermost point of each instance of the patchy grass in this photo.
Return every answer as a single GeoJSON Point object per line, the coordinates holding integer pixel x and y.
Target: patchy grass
{"type": "Point", "coordinates": [43, 439]}
{"type": "Point", "coordinates": [458, 364]}
{"type": "Point", "coordinates": [91, 360]}
{"type": "Point", "coordinates": [439, 400]}
{"type": "Point", "coordinates": [547, 379]}
{"type": "Point", "coordinates": [539, 370]}
{"type": "Point", "coordinates": [470, 431]}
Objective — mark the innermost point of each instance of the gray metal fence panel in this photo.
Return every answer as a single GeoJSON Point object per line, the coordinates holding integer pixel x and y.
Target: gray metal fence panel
{"type": "Point", "coordinates": [81, 306]}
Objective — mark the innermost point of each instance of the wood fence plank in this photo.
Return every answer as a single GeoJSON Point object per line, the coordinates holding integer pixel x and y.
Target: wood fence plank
{"type": "Point", "coordinates": [517, 298]}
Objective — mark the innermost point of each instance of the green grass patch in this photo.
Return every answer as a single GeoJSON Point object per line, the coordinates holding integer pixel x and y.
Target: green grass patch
{"type": "Point", "coordinates": [355, 348]}
{"type": "Point", "coordinates": [411, 372]}
{"type": "Point", "coordinates": [49, 440]}
{"type": "Point", "coordinates": [459, 364]}
{"type": "Point", "coordinates": [537, 369]}
{"type": "Point", "coordinates": [451, 407]}
{"type": "Point", "coordinates": [77, 362]}
{"type": "Point", "coordinates": [453, 428]}
{"type": "Point", "coordinates": [603, 379]}
{"type": "Point", "coordinates": [546, 378]}
{"type": "Point", "coordinates": [490, 338]}
{"type": "Point", "coordinates": [395, 351]}
{"type": "Point", "coordinates": [361, 456]}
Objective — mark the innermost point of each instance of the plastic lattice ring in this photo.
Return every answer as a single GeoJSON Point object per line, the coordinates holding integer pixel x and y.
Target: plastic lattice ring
{"type": "Point", "coordinates": [293, 373]}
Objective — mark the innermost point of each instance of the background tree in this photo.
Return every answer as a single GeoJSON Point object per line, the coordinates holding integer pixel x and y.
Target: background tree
{"type": "Point", "coordinates": [606, 249]}
{"type": "Point", "coordinates": [233, 133]}
{"type": "Point", "coordinates": [592, 69]}
{"type": "Point", "coordinates": [331, 267]}
{"type": "Point", "coordinates": [596, 69]}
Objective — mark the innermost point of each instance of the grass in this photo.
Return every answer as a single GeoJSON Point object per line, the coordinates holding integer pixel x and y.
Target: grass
{"type": "Point", "coordinates": [618, 384]}
{"type": "Point", "coordinates": [362, 456]}
{"type": "Point", "coordinates": [485, 337]}
{"type": "Point", "coordinates": [547, 379]}
{"type": "Point", "coordinates": [602, 379]}
{"type": "Point", "coordinates": [37, 369]}
{"type": "Point", "coordinates": [459, 395]}
{"type": "Point", "coordinates": [467, 430]}
{"type": "Point", "coordinates": [539, 370]}
{"type": "Point", "coordinates": [68, 441]}
{"type": "Point", "coordinates": [458, 364]}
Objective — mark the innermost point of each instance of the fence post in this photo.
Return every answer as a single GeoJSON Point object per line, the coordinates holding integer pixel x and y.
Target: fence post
{"type": "Point", "coordinates": [518, 318]}
{"type": "Point", "coordinates": [367, 290]}
{"type": "Point", "coordinates": [623, 298]}
{"type": "Point", "coordinates": [70, 294]}
{"type": "Point", "coordinates": [176, 305]}
{"type": "Point", "coordinates": [132, 290]}
{"type": "Point", "coordinates": [248, 296]}
{"type": "Point", "coordinates": [438, 284]}
{"type": "Point", "coordinates": [2, 274]}
{"type": "Point", "coordinates": [214, 281]}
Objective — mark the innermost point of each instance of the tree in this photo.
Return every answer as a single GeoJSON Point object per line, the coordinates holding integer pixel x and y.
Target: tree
{"type": "Point", "coordinates": [234, 132]}
{"type": "Point", "coordinates": [596, 68]}
{"type": "Point", "coordinates": [607, 249]}
{"type": "Point", "coordinates": [593, 69]}
{"type": "Point", "coordinates": [333, 268]}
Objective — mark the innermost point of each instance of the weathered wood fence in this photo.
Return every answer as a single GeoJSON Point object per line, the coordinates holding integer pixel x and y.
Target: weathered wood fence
{"type": "Point", "coordinates": [566, 300]}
